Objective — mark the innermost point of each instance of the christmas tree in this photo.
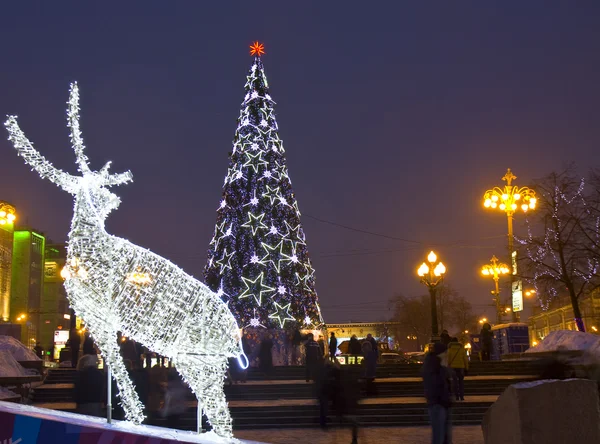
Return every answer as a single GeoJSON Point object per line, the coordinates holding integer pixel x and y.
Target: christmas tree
{"type": "Point", "coordinates": [257, 259]}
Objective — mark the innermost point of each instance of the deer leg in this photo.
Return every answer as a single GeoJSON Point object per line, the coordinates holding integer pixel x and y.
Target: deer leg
{"type": "Point", "coordinates": [206, 381]}
{"type": "Point", "coordinates": [107, 343]}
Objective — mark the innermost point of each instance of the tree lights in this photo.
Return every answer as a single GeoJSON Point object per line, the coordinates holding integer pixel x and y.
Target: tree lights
{"type": "Point", "coordinates": [257, 259]}
{"type": "Point", "coordinates": [116, 286]}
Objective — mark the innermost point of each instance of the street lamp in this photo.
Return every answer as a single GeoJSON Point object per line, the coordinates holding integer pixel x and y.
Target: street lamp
{"type": "Point", "coordinates": [431, 276]}
{"type": "Point", "coordinates": [510, 199]}
{"type": "Point", "coordinates": [7, 213]}
{"type": "Point", "coordinates": [495, 269]}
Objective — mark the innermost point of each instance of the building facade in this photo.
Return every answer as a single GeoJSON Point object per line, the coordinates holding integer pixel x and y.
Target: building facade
{"type": "Point", "coordinates": [54, 307]}
{"type": "Point", "coordinates": [7, 218]}
{"type": "Point", "coordinates": [27, 282]}
{"type": "Point", "coordinates": [559, 316]}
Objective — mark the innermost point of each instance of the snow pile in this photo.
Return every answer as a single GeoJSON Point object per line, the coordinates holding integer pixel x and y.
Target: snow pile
{"type": "Point", "coordinates": [568, 340]}
{"type": "Point", "coordinates": [17, 349]}
{"type": "Point", "coordinates": [152, 433]}
{"type": "Point", "coordinates": [9, 367]}
{"type": "Point", "coordinates": [7, 394]}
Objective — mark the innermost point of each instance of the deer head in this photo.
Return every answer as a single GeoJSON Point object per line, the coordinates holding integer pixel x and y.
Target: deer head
{"type": "Point", "coordinates": [91, 188]}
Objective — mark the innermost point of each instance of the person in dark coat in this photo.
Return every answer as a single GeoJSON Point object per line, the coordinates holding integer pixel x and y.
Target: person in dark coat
{"type": "Point", "coordinates": [369, 368]}
{"type": "Point", "coordinates": [74, 345]}
{"type": "Point", "coordinates": [321, 343]}
{"type": "Point", "coordinates": [374, 345]}
{"type": "Point", "coordinates": [332, 346]}
{"type": "Point", "coordinates": [90, 387]}
{"type": "Point", "coordinates": [39, 351]}
{"type": "Point", "coordinates": [88, 345]}
{"type": "Point", "coordinates": [338, 390]}
{"type": "Point", "coordinates": [296, 343]}
{"type": "Point", "coordinates": [175, 400]}
{"type": "Point", "coordinates": [437, 394]}
{"type": "Point", "coordinates": [445, 338]}
{"type": "Point", "coordinates": [314, 358]}
{"type": "Point", "coordinates": [265, 355]}
{"type": "Point", "coordinates": [486, 342]}
{"type": "Point", "coordinates": [354, 348]}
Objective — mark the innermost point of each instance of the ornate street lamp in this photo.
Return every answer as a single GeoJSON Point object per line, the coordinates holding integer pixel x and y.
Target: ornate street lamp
{"type": "Point", "coordinates": [510, 199]}
{"type": "Point", "coordinates": [495, 269]}
{"type": "Point", "coordinates": [7, 213]}
{"type": "Point", "coordinates": [432, 275]}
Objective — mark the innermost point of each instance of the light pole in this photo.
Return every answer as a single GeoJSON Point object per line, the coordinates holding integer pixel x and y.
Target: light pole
{"type": "Point", "coordinates": [431, 276]}
{"type": "Point", "coordinates": [495, 269]}
{"type": "Point", "coordinates": [509, 199]}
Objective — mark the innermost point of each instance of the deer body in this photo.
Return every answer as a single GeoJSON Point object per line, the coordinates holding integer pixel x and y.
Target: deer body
{"type": "Point", "coordinates": [116, 286]}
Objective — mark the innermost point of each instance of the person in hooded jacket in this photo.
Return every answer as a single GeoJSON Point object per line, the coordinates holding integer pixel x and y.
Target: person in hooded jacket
{"type": "Point", "coordinates": [437, 394]}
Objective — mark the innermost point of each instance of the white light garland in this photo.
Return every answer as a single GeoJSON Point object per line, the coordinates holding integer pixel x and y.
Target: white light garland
{"type": "Point", "coordinates": [272, 281]}
{"type": "Point", "coordinates": [116, 286]}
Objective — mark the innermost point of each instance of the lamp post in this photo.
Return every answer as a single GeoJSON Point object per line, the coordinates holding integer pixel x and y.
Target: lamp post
{"type": "Point", "coordinates": [495, 269]}
{"type": "Point", "coordinates": [432, 275]}
{"type": "Point", "coordinates": [509, 199]}
{"type": "Point", "coordinates": [7, 213]}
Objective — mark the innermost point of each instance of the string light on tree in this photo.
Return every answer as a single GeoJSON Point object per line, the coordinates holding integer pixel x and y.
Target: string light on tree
{"type": "Point", "coordinates": [116, 286]}
{"type": "Point", "coordinates": [271, 279]}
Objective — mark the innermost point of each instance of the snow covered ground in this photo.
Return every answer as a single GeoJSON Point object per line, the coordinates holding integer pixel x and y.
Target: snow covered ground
{"type": "Point", "coordinates": [90, 422]}
{"type": "Point", "coordinates": [7, 394]}
{"type": "Point", "coordinates": [17, 349]}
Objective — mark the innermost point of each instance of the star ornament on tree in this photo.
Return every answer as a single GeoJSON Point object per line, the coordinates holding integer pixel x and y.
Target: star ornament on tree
{"type": "Point", "coordinates": [257, 49]}
{"type": "Point", "coordinates": [255, 288]}
{"type": "Point", "coordinates": [282, 314]}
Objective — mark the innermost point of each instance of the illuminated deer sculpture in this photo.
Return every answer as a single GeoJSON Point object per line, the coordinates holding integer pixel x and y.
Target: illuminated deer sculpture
{"type": "Point", "coordinates": [115, 286]}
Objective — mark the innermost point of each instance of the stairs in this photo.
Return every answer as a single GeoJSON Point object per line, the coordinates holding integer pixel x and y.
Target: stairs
{"type": "Point", "coordinates": [285, 400]}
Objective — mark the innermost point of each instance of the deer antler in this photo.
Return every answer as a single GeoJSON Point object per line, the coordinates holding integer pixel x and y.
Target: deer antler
{"type": "Point", "coordinates": [114, 179]}
{"type": "Point", "coordinates": [73, 123]}
{"type": "Point", "coordinates": [33, 158]}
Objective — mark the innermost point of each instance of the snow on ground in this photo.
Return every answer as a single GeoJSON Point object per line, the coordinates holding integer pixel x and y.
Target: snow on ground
{"type": "Point", "coordinates": [121, 426]}
{"type": "Point", "coordinates": [6, 393]}
{"type": "Point", "coordinates": [17, 349]}
{"type": "Point", "coordinates": [569, 340]}
{"type": "Point", "coordinates": [9, 367]}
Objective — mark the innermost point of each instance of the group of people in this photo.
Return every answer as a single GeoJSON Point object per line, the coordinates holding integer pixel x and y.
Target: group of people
{"type": "Point", "coordinates": [443, 371]}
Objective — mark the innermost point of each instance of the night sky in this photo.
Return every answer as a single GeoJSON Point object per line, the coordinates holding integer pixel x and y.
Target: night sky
{"type": "Point", "coordinates": [395, 120]}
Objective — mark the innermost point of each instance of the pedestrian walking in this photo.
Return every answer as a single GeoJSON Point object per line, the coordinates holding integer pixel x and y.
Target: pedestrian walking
{"type": "Point", "coordinates": [459, 365]}
{"type": "Point", "coordinates": [445, 338]}
{"type": "Point", "coordinates": [296, 343]}
{"type": "Point", "coordinates": [354, 348]}
{"type": "Point", "coordinates": [314, 358]}
{"type": "Point", "coordinates": [89, 387]}
{"type": "Point", "coordinates": [486, 342]}
{"type": "Point", "coordinates": [374, 345]}
{"type": "Point", "coordinates": [175, 400]}
{"type": "Point", "coordinates": [74, 345]}
{"type": "Point", "coordinates": [332, 346]}
{"type": "Point", "coordinates": [321, 343]}
{"type": "Point", "coordinates": [88, 344]}
{"type": "Point", "coordinates": [265, 355]}
{"type": "Point", "coordinates": [369, 368]}
{"type": "Point", "coordinates": [39, 351]}
{"type": "Point", "coordinates": [437, 393]}
{"type": "Point", "coordinates": [338, 391]}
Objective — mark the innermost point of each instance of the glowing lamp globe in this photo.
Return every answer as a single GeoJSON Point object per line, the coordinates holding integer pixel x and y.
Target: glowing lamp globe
{"type": "Point", "coordinates": [431, 257]}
